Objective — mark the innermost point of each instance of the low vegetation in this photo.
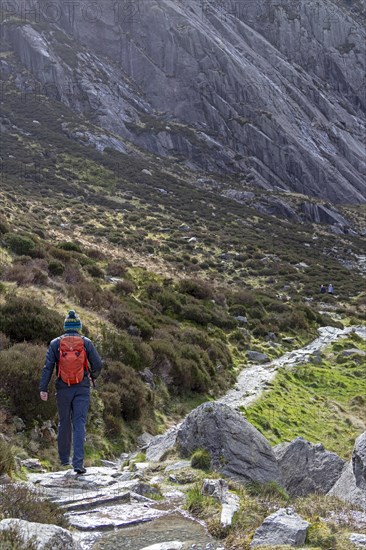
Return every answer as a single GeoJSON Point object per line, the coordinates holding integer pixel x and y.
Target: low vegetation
{"type": "Point", "coordinates": [174, 284]}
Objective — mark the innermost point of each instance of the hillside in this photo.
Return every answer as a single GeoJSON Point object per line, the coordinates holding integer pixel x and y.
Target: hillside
{"type": "Point", "coordinates": [272, 93]}
{"type": "Point", "coordinates": [185, 175]}
{"type": "Point", "coordinates": [175, 282]}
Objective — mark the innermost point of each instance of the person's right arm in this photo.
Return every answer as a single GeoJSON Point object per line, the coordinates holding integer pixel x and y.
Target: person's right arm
{"type": "Point", "coordinates": [49, 365]}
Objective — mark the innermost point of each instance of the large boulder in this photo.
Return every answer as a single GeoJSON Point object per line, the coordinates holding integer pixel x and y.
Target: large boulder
{"type": "Point", "coordinates": [346, 488]}
{"type": "Point", "coordinates": [282, 527]}
{"type": "Point", "coordinates": [307, 467]}
{"type": "Point", "coordinates": [351, 486]}
{"type": "Point", "coordinates": [359, 461]}
{"type": "Point", "coordinates": [236, 448]}
{"type": "Point", "coordinates": [44, 535]}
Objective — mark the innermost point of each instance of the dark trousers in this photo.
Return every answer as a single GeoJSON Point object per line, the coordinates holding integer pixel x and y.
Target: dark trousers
{"type": "Point", "coordinates": [72, 404]}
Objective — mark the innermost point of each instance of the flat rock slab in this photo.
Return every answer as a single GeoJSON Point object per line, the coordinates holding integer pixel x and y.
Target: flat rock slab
{"type": "Point", "coordinates": [113, 517]}
{"type": "Point", "coordinates": [282, 527]}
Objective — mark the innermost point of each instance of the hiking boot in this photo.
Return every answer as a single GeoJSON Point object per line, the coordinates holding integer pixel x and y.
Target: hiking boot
{"type": "Point", "coordinates": [65, 466]}
{"type": "Point", "coordinates": [80, 470]}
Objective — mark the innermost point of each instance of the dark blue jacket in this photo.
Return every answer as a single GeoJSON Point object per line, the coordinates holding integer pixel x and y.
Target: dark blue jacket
{"type": "Point", "coordinates": [52, 359]}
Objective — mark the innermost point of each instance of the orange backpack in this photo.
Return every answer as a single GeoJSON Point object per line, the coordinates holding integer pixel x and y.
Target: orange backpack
{"type": "Point", "coordinates": [73, 359]}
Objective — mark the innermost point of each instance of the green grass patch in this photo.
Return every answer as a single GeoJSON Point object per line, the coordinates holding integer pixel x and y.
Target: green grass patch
{"type": "Point", "coordinates": [320, 402]}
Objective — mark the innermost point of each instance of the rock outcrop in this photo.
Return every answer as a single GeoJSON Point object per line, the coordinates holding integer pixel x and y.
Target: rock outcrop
{"type": "Point", "coordinates": [307, 467]}
{"type": "Point", "coordinates": [359, 461]}
{"type": "Point", "coordinates": [351, 486]}
{"type": "Point", "coordinates": [236, 448]}
{"type": "Point", "coordinates": [270, 90]}
{"type": "Point", "coordinates": [44, 535]}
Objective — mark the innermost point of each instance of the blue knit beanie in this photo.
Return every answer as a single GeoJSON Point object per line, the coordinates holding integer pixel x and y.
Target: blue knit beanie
{"type": "Point", "coordinates": [72, 322]}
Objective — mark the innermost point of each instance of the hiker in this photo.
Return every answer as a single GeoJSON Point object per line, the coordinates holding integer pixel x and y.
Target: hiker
{"type": "Point", "coordinates": [322, 289]}
{"type": "Point", "coordinates": [78, 363]}
{"type": "Point", "coordinates": [330, 289]}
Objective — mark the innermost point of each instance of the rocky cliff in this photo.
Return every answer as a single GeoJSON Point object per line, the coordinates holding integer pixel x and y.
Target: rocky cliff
{"type": "Point", "coordinates": [270, 90]}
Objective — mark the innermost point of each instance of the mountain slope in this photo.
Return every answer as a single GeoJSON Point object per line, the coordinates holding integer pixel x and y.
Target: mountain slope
{"type": "Point", "coordinates": [271, 91]}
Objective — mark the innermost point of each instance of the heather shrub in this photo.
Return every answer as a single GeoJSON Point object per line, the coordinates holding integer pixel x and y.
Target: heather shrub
{"type": "Point", "coordinates": [121, 316]}
{"type": "Point", "coordinates": [168, 300]}
{"type": "Point", "coordinates": [4, 341]}
{"type": "Point", "coordinates": [124, 287]}
{"type": "Point", "coordinates": [88, 294]}
{"type": "Point", "coordinates": [4, 226]}
{"type": "Point", "coordinates": [95, 271]}
{"type": "Point", "coordinates": [73, 274]}
{"type": "Point", "coordinates": [117, 268]}
{"type": "Point", "coordinates": [27, 273]}
{"type": "Point", "coordinates": [69, 246]}
{"type": "Point", "coordinates": [7, 460]}
{"type": "Point", "coordinates": [21, 502]}
{"type": "Point", "coordinates": [12, 539]}
{"type": "Point", "coordinates": [123, 392]}
{"type": "Point", "coordinates": [56, 268]}
{"type": "Point", "coordinates": [23, 319]}
{"type": "Point", "coordinates": [20, 371]}
{"type": "Point", "coordinates": [19, 244]}
{"type": "Point", "coordinates": [118, 346]}
{"type": "Point", "coordinates": [146, 331]}
{"type": "Point", "coordinates": [60, 254]}
{"type": "Point", "coordinates": [247, 298]}
{"type": "Point", "coordinates": [196, 313]}
{"type": "Point", "coordinates": [196, 288]}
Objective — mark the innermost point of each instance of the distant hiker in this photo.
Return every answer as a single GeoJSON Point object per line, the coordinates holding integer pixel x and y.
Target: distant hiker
{"type": "Point", "coordinates": [323, 289]}
{"type": "Point", "coordinates": [330, 289]}
{"type": "Point", "coordinates": [77, 363]}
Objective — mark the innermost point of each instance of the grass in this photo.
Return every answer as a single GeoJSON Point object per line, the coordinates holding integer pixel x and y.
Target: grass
{"type": "Point", "coordinates": [21, 502]}
{"type": "Point", "coordinates": [321, 402]}
{"type": "Point", "coordinates": [330, 519]}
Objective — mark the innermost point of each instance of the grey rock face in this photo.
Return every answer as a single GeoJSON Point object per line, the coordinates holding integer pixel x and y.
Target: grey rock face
{"type": "Point", "coordinates": [346, 488]}
{"type": "Point", "coordinates": [274, 91]}
{"type": "Point", "coordinates": [359, 461]}
{"type": "Point", "coordinates": [282, 527]}
{"type": "Point", "coordinates": [160, 445]}
{"type": "Point", "coordinates": [236, 448]}
{"type": "Point", "coordinates": [307, 467]}
{"type": "Point", "coordinates": [358, 539]}
{"type": "Point", "coordinates": [319, 213]}
{"type": "Point", "coordinates": [257, 357]}
{"type": "Point", "coordinates": [46, 536]}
